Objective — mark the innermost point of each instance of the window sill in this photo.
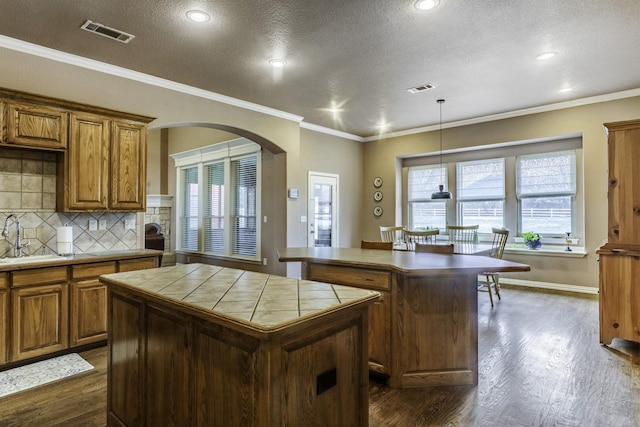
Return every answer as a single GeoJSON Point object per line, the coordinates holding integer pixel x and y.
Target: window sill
{"type": "Point", "coordinates": [546, 250]}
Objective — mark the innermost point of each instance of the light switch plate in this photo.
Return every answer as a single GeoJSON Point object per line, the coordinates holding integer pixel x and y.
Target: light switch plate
{"type": "Point", "coordinates": [93, 224]}
{"type": "Point", "coordinates": [102, 224]}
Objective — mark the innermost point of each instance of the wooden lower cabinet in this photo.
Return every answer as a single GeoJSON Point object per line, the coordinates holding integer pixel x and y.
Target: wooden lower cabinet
{"type": "Point", "coordinates": [4, 312]}
{"type": "Point", "coordinates": [619, 296]}
{"type": "Point", "coordinates": [39, 320]}
{"type": "Point", "coordinates": [168, 367]}
{"type": "Point", "coordinates": [138, 264]}
{"type": "Point", "coordinates": [380, 334]}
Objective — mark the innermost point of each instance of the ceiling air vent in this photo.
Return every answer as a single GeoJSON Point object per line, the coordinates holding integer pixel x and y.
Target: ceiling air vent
{"type": "Point", "coordinates": [105, 31]}
{"type": "Point", "coordinates": [420, 88]}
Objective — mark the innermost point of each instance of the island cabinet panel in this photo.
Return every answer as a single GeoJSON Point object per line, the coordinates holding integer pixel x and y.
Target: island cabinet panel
{"type": "Point", "coordinates": [380, 334]}
{"type": "Point", "coordinates": [39, 321]}
{"type": "Point", "coordinates": [35, 126]}
{"type": "Point", "coordinates": [198, 367]}
{"type": "Point", "coordinates": [4, 284]}
{"type": "Point", "coordinates": [125, 362]}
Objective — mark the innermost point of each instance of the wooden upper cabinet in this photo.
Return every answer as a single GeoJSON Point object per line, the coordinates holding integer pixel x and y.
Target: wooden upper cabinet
{"type": "Point", "coordinates": [105, 165]}
{"type": "Point", "coordinates": [624, 184]}
{"type": "Point", "coordinates": [34, 126]}
{"type": "Point", "coordinates": [128, 166]}
{"type": "Point", "coordinates": [86, 179]}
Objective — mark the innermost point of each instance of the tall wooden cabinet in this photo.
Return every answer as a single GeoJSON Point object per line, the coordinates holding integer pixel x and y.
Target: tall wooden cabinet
{"type": "Point", "coordinates": [4, 284]}
{"type": "Point", "coordinates": [620, 255]}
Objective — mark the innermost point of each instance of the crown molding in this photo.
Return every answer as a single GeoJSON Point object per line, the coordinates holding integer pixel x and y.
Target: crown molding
{"type": "Point", "coordinates": [329, 131]}
{"type": "Point", "coordinates": [79, 61]}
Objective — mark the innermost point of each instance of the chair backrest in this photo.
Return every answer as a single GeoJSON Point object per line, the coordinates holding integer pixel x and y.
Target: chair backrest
{"type": "Point", "coordinates": [367, 244]}
{"type": "Point", "coordinates": [393, 234]}
{"type": "Point", "coordinates": [413, 237]}
{"type": "Point", "coordinates": [463, 233]}
{"type": "Point", "coordinates": [500, 236]}
{"type": "Point", "coordinates": [434, 249]}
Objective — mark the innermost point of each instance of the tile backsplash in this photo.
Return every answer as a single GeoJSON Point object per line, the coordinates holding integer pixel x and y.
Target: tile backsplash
{"type": "Point", "coordinates": [28, 189]}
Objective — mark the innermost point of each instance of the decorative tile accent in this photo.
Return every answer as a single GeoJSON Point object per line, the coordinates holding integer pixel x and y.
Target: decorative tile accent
{"type": "Point", "coordinates": [46, 371]}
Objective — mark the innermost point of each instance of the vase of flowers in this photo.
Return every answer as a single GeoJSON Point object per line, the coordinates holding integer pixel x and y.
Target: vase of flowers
{"type": "Point", "coordinates": [532, 240]}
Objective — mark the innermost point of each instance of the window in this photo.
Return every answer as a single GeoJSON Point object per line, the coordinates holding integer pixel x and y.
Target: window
{"type": "Point", "coordinates": [480, 194]}
{"type": "Point", "coordinates": [523, 186]}
{"type": "Point", "coordinates": [220, 217]}
{"type": "Point", "coordinates": [424, 212]}
{"type": "Point", "coordinates": [546, 189]}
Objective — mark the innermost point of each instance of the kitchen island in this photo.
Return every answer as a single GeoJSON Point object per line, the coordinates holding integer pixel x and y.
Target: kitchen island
{"type": "Point", "coordinates": [424, 330]}
{"type": "Point", "coordinates": [204, 345]}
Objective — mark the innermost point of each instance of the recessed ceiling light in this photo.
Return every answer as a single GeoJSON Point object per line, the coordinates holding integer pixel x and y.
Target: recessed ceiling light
{"type": "Point", "coordinates": [198, 16]}
{"type": "Point", "coordinates": [545, 55]}
{"type": "Point", "coordinates": [426, 4]}
{"type": "Point", "coordinates": [278, 63]}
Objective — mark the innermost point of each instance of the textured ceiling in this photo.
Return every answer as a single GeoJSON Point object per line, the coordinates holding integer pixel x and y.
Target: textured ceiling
{"type": "Point", "coordinates": [359, 55]}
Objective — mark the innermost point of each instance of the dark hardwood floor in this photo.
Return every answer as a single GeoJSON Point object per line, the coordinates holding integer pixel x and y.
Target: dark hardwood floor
{"type": "Point", "coordinates": [540, 365]}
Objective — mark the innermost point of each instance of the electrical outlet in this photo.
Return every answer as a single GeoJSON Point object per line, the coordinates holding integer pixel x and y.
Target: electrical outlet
{"type": "Point", "coordinates": [129, 224]}
{"type": "Point", "coordinates": [102, 224]}
{"type": "Point", "coordinates": [264, 261]}
{"type": "Point", "coordinates": [29, 233]}
{"type": "Point", "coordinates": [93, 225]}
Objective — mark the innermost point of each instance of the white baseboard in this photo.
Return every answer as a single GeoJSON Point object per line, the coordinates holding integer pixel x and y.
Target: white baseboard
{"type": "Point", "coordinates": [549, 285]}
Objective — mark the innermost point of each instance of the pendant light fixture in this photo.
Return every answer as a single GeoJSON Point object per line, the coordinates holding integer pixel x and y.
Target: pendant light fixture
{"type": "Point", "coordinates": [441, 194]}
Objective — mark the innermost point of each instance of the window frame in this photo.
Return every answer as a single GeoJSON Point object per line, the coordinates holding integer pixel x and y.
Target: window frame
{"type": "Point", "coordinates": [226, 153]}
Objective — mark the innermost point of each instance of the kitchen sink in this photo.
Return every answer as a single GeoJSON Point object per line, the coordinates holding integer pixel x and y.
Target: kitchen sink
{"type": "Point", "coordinates": [29, 259]}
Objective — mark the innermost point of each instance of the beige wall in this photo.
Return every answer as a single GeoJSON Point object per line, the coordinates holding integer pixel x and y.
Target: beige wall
{"type": "Point", "coordinates": [380, 159]}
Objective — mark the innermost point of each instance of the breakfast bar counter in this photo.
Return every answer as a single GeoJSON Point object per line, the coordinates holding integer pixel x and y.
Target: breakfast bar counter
{"type": "Point", "coordinates": [211, 346]}
{"type": "Point", "coordinates": [424, 330]}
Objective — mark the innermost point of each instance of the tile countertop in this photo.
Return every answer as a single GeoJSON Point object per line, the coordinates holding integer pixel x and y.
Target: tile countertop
{"type": "Point", "coordinates": [38, 261]}
{"type": "Point", "coordinates": [259, 301]}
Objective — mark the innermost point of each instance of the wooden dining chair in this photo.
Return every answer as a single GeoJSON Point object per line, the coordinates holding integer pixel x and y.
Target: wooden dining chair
{"type": "Point", "coordinates": [500, 236]}
{"type": "Point", "coordinates": [394, 234]}
{"type": "Point", "coordinates": [434, 249]}
{"type": "Point", "coordinates": [463, 233]}
{"type": "Point", "coordinates": [425, 237]}
{"type": "Point", "coordinates": [368, 244]}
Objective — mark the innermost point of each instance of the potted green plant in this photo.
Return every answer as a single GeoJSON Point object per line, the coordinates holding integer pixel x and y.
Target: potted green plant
{"type": "Point", "coordinates": [532, 240]}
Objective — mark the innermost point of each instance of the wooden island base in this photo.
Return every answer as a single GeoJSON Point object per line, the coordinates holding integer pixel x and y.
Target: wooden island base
{"type": "Point", "coordinates": [173, 360]}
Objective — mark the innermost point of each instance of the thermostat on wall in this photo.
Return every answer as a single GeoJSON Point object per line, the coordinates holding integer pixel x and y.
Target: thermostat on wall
{"type": "Point", "coordinates": [293, 193]}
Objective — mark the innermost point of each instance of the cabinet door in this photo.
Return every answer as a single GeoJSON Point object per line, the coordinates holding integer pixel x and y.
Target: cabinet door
{"type": "Point", "coordinates": [380, 334]}
{"type": "Point", "coordinates": [88, 312]}
{"type": "Point", "coordinates": [36, 126]}
{"type": "Point", "coordinates": [39, 320]}
{"type": "Point", "coordinates": [128, 166]}
{"type": "Point", "coordinates": [137, 264]}
{"type": "Point", "coordinates": [3, 326]}
{"type": "Point", "coordinates": [619, 298]}
{"type": "Point", "coordinates": [86, 182]}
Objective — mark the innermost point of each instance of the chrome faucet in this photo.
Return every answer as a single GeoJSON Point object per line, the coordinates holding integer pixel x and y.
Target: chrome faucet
{"type": "Point", "coordinates": [5, 233]}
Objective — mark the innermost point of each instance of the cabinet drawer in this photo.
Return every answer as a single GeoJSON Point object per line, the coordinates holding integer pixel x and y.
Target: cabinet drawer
{"type": "Point", "coordinates": [362, 278]}
{"type": "Point", "coordinates": [86, 271]}
{"type": "Point", "coordinates": [39, 276]}
{"type": "Point", "coordinates": [137, 264]}
{"type": "Point", "coordinates": [4, 280]}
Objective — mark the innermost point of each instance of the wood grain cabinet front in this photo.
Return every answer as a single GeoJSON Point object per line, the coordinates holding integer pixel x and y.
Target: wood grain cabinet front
{"type": "Point", "coordinates": [88, 311]}
{"type": "Point", "coordinates": [4, 284]}
{"type": "Point", "coordinates": [39, 320]}
{"type": "Point", "coordinates": [34, 126]}
{"type": "Point", "coordinates": [105, 166]}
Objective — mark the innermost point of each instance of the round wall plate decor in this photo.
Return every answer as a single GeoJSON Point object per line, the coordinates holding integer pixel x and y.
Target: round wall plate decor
{"type": "Point", "coordinates": [377, 211]}
{"type": "Point", "coordinates": [377, 196]}
{"type": "Point", "coordinates": [377, 182]}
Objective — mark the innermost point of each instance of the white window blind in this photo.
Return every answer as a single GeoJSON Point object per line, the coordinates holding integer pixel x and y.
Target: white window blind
{"type": "Point", "coordinates": [480, 193]}
{"type": "Point", "coordinates": [190, 206]}
{"type": "Point", "coordinates": [422, 181]}
{"type": "Point", "coordinates": [244, 184]}
{"type": "Point", "coordinates": [214, 211]}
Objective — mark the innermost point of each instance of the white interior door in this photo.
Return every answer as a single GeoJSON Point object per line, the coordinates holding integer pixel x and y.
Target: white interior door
{"type": "Point", "coordinates": [322, 210]}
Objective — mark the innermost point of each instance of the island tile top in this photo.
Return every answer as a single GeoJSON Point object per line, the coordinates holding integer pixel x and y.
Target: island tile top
{"type": "Point", "coordinates": [257, 298]}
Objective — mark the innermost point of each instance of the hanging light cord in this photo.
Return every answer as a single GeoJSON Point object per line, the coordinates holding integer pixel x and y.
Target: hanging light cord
{"type": "Point", "coordinates": [441, 101]}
